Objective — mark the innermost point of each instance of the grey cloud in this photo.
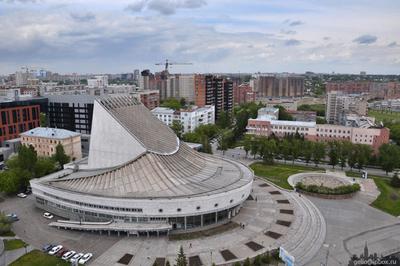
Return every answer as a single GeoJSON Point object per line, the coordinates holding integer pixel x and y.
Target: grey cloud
{"type": "Point", "coordinates": [292, 42]}
{"type": "Point", "coordinates": [289, 32]}
{"type": "Point", "coordinates": [20, 1]}
{"type": "Point", "coordinates": [393, 44]}
{"type": "Point", "coordinates": [164, 7]}
{"type": "Point", "coordinates": [83, 17]}
{"type": "Point", "coordinates": [296, 23]}
{"type": "Point", "coordinates": [326, 38]}
{"type": "Point", "coordinates": [365, 39]}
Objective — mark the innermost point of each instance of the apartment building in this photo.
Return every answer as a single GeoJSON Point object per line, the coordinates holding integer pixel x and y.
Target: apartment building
{"type": "Point", "coordinates": [339, 104]}
{"type": "Point", "coordinates": [273, 85]}
{"type": "Point", "coordinates": [190, 118]}
{"type": "Point", "coordinates": [243, 93]}
{"type": "Point", "coordinates": [44, 141]}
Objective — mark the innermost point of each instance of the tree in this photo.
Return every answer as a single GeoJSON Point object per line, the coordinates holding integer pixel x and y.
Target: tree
{"type": "Point", "coordinates": [395, 181]}
{"type": "Point", "coordinates": [333, 153]}
{"type": "Point", "coordinates": [247, 144]}
{"type": "Point", "coordinates": [344, 152]}
{"type": "Point", "coordinates": [318, 152]}
{"type": "Point", "coordinates": [27, 158]}
{"type": "Point", "coordinates": [177, 127]}
{"type": "Point", "coordinates": [171, 103]}
{"type": "Point", "coordinates": [283, 114]}
{"type": "Point", "coordinates": [307, 150]}
{"type": "Point", "coordinates": [389, 157]}
{"type": "Point", "coordinates": [181, 259]}
{"type": "Point", "coordinates": [247, 262]}
{"type": "Point", "coordinates": [10, 182]}
{"type": "Point", "coordinates": [5, 224]}
{"type": "Point", "coordinates": [285, 149]}
{"type": "Point", "coordinates": [254, 147]}
{"type": "Point", "coordinates": [268, 149]}
{"type": "Point", "coordinates": [225, 140]}
{"type": "Point", "coordinates": [44, 166]}
{"type": "Point", "coordinates": [182, 102]}
{"type": "Point", "coordinates": [43, 120]}
{"type": "Point", "coordinates": [363, 154]}
{"type": "Point", "coordinates": [295, 149]}
{"type": "Point", "coordinates": [224, 120]}
{"type": "Point", "coordinates": [60, 156]}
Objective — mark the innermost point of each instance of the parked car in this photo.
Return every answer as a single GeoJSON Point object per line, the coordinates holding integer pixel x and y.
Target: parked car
{"type": "Point", "coordinates": [28, 191]}
{"type": "Point", "coordinates": [55, 249]}
{"type": "Point", "coordinates": [68, 255]}
{"type": "Point", "coordinates": [85, 258]}
{"type": "Point", "coordinates": [47, 247]}
{"type": "Point", "coordinates": [21, 195]}
{"type": "Point", "coordinates": [12, 217]}
{"type": "Point", "coordinates": [61, 252]}
{"type": "Point", "coordinates": [48, 215]}
{"type": "Point", "coordinates": [76, 258]}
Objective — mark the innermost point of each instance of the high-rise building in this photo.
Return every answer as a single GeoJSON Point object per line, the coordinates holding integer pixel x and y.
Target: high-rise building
{"type": "Point", "coordinates": [98, 82]}
{"type": "Point", "coordinates": [243, 93]}
{"type": "Point", "coordinates": [338, 105]}
{"type": "Point", "coordinates": [228, 96]}
{"type": "Point", "coordinates": [279, 86]}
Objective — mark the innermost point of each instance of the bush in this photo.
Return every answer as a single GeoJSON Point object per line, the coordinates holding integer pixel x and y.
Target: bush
{"type": "Point", "coordinates": [340, 190]}
{"type": "Point", "coordinates": [395, 181]}
{"type": "Point", "coordinates": [5, 226]}
{"type": "Point", "coordinates": [266, 258]}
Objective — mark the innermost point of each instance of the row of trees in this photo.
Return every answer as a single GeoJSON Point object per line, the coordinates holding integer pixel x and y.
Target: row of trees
{"type": "Point", "coordinates": [342, 153]}
{"type": "Point", "coordinates": [27, 165]}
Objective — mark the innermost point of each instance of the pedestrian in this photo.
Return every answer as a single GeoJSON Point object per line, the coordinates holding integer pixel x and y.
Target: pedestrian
{"type": "Point", "coordinates": [190, 245]}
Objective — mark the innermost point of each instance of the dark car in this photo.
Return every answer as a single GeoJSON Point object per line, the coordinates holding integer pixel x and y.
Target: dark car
{"type": "Point", "coordinates": [47, 247]}
{"type": "Point", "coordinates": [12, 217]}
{"type": "Point", "coordinates": [62, 252]}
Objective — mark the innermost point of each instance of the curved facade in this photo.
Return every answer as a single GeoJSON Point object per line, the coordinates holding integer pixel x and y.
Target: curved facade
{"type": "Point", "coordinates": [138, 172]}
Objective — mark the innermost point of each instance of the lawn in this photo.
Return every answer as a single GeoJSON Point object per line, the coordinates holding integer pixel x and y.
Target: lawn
{"type": "Point", "coordinates": [389, 199]}
{"type": "Point", "coordinates": [384, 116]}
{"type": "Point", "coordinates": [38, 258]}
{"type": "Point", "coordinates": [11, 244]}
{"type": "Point", "coordinates": [279, 173]}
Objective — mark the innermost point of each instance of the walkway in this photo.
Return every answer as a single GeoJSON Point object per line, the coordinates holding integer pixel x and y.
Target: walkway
{"type": "Point", "coordinates": [271, 218]}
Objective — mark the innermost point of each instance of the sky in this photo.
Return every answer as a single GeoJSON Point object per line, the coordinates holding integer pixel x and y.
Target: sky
{"type": "Point", "coordinates": [102, 36]}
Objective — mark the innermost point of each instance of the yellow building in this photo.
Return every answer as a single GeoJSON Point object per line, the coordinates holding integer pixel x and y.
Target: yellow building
{"type": "Point", "coordinates": [45, 140]}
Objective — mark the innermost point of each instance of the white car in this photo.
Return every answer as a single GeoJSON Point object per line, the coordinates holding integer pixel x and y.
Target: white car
{"type": "Point", "coordinates": [85, 258]}
{"type": "Point", "coordinates": [21, 195]}
{"type": "Point", "coordinates": [48, 215]}
{"type": "Point", "coordinates": [55, 250]}
{"type": "Point", "coordinates": [76, 258]}
{"type": "Point", "coordinates": [68, 255]}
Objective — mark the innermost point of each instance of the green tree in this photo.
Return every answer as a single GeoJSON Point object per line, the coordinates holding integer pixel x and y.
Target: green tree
{"type": "Point", "coordinates": [27, 158]}
{"type": "Point", "coordinates": [171, 103]}
{"type": "Point", "coordinates": [181, 259]}
{"type": "Point", "coordinates": [44, 166]}
{"type": "Point", "coordinates": [363, 155]}
{"type": "Point", "coordinates": [254, 147]}
{"type": "Point", "coordinates": [389, 157]}
{"type": "Point", "coordinates": [333, 153]}
{"type": "Point", "coordinates": [283, 114]}
{"type": "Point", "coordinates": [285, 149]}
{"type": "Point", "coordinates": [224, 120]}
{"type": "Point", "coordinates": [395, 181]}
{"type": "Point", "coordinates": [295, 149]}
{"type": "Point", "coordinates": [182, 102]}
{"type": "Point", "coordinates": [60, 156]}
{"type": "Point", "coordinates": [10, 182]}
{"type": "Point", "coordinates": [43, 120]}
{"type": "Point", "coordinates": [319, 152]}
{"type": "Point", "coordinates": [224, 140]}
{"type": "Point", "coordinates": [177, 127]}
{"type": "Point", "coordinates": [247, 144]}
{"type": "Point", "coordinates": [268, 149]}
{"type": "Point", "coordinates": [344, 149]}
{"type": "Point", "coordinates": [247, 262]}
{"type": "Point", "coordinates": [307, 150]}
{"type": "Point", "coordinates": [5, 224]}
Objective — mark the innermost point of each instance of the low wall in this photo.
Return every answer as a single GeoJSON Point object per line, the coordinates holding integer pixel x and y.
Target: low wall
{"type": "Point", "coordinates": [327, 196]}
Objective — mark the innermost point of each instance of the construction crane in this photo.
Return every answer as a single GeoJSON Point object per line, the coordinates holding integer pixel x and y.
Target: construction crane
{"type": "Point", "coordinates": [167, 64]}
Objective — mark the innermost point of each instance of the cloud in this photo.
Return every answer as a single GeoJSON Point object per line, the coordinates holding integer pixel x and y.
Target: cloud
{"type": "Point", "coordinates": [83, 17]}
{"type": "Point", "coordinates": [365, 39]}
{"type": "Point", "coordinates": [292, 42]}
{"type": "Point", "coordinates": [296, 23]}
{"type": "Point", "coordinates": [19, 1]}
{"type": "Point", "coordinates": [164, 7]}
{"type": "Point", "coordinates": [393, 44]}
{"type": "Point", "coordinates": [289, 32]}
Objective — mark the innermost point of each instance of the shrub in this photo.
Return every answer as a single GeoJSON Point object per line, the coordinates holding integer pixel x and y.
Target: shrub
{"type": "Point", "coordinates": [266, 258]}
{"type": "Point", "coordinates": [340, 190]}
{"type": "Point", "coordinates": [395, 181]}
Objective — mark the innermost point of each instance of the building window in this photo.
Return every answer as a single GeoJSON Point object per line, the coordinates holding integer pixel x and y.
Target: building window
{"type": "Point", "coordinates": [216, 205]}
{"type": "Point", "coordinates": [231, 201]}
{"type": "Point", "coordinates": [178, 210]}
{"type": "Point", "coordinates": [160, 210]}
{"type": "Point", "coordinates": [198, 208]}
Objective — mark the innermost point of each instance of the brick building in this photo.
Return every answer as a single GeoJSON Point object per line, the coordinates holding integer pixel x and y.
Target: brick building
{"type": "Point", "coordinates": [243, 93]}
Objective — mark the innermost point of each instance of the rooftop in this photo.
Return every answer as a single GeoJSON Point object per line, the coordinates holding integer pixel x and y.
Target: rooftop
{"type": "Point", "coordinates": [50, 133]}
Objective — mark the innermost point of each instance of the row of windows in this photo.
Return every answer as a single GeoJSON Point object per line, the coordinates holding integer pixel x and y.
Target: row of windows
{"type": "Point", "coordinates": [333, 130]}
{"type": "Point", "coordinates": [95, 205]}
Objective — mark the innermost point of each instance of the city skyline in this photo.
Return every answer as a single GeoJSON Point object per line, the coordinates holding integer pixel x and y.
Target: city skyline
{"type": "Point", "coordinates": [216, 36]}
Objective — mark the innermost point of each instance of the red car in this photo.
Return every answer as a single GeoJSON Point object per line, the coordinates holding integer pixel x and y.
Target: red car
{"type": "Point", "coordinates": [61, 252]}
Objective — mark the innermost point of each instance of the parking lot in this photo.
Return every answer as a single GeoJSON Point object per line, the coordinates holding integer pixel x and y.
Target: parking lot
{"type": "Point", "coordinates": [33, 228]}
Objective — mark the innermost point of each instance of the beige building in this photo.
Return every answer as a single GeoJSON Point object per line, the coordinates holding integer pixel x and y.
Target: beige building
{"type": "Point", "coordinates": [45, 140]}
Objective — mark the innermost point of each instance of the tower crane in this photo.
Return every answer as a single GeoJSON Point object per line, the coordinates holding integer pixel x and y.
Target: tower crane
{"type": "Point", "coordinates": [167, 64]}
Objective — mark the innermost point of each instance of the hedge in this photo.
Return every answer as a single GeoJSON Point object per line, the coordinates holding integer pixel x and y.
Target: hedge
{"type": "Point", "coordinates": [340, 190]}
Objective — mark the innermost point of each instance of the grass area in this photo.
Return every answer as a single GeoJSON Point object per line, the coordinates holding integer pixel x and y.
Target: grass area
{"type": "Point", "coordinates": [389, 199]}
{"type": "Point", "coordinates": [385, 116]}
{"type": "Point", "coordinates": [279, 173]}
{"type": "Point", "coordinates": [11, 244]}
{"type": "Point", "coordinates": [38, 258]}
{"type": "Point", "coordinates": [204, 233]}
